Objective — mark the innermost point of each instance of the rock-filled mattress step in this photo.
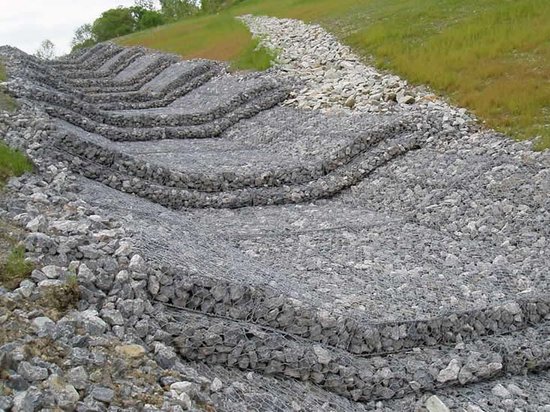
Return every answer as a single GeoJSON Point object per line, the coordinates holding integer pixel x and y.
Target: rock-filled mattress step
{"type": "Point", "coordinates": [271, 263]}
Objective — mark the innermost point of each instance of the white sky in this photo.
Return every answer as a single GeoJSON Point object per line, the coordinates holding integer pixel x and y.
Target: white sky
{"type": "Point", "coordinates": [26, 23]}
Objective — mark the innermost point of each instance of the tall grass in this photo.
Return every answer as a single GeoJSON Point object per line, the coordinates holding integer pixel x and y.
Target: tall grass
{"type": "Point", "coordinates": [491, 56]}
{"type": "Point", "coordinates": [14, 268]}
{"type": "Point", "coordinates": [254, 57]}
{"type": "Point", "coordinates": [6, 102]}
{"type": "Point", "coordinates": [12, 163]}
{"type": "Point", "coordinates": [220, 37]}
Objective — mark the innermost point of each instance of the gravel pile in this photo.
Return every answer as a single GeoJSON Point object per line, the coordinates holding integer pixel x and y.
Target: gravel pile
{"type": "Point", "coordinates": [361, 257]}
{"type": "Point", "coordinates": [335, 78]}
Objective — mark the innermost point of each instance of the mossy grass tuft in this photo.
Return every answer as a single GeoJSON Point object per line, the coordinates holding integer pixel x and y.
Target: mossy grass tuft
{"type": "Point", "coordinates": [14, 268]}
{"type": "Point", "coordinates": [63, 297]}
{"type": "Point", "coordinates": [12, 163]}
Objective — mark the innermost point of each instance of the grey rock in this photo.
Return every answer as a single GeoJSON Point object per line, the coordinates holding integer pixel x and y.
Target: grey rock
{"type": "Point", "coordinates": [103, 394]}
{"type": "Point", "coordinates": [516, 390]}
{"type": "Point", "coordinates": [405, 99]}
{"type": "Point", "coordinates": [52, 271]}
{"type": "Point", "coordinates": [78, 377]}
{"type": "Point", "coordinates": [500, 391]}
{"type": "Point", "coordinates": [137, 264]}
{"type": "Point", "coordinates": [50, 283]}
{"type": "Point", "coordinates": [90, 320]}
{"type": "Point", "coordinates": [165, 356]}
{"type": "Point", "coordinates": [17, 382]}
{"type": "Point", "coordinates": [112, 317]}
{"type": "Point", "coordinates": [32, 373]}
{"type": "Point", "coordinates": [65, 394]}
{"type": "Point", "coordinates": [434, 404]}
{"type": "Point", "coordinates": [450, 373]}
{"type": "Point", "coordinates": [43, 324]}
{"type": "Point", "coordinates": [216, 385]}
{"type": "Point", "coordinates": [40, 242]}
{"type": "Point", "coordinates": [6, 403]}
{"type": "Point", "coordinates": [28, 401]}
{"type": "Point", "coordinates": [188, 388]}
{"type": "Point", "coordinates": [25, 289]}
{"type": "Point", "coordinates": [473, 408]}
{"type": "Point", "coordinates": [323, 356]}
{"type": "Point", "coordinates": [124, 249]}
{"type": "Point", "coordinates": [37, 224]}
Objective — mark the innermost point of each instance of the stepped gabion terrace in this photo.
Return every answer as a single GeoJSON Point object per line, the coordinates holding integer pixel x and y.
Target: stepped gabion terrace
{"type": "Point", "coordinates": [319, 260]}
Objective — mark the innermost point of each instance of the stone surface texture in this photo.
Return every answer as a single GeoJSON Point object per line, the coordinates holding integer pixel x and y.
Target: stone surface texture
{"type": "Point", "coordinates": [317, 237]}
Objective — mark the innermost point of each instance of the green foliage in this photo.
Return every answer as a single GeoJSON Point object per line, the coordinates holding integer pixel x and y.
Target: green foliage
{"type": "Point", "coordinates": [254, 57]}
{"type": "Point", "coordinates": [146, 19]}
{"type": "Point", "coordinates": [117, 22]}
{"type": "Point", "coordinates": [215, 6]}
{"type": "Point", "coordinates": [490, 56]}
{"type": "Point", "coordinates": [174, 10]}
{"type": "Point", "coordinates": [12, 163]}
{"type": "Point", "coordinates": [83, 37]}
{"type": "Point", "coordinates": [46, 51]}
{"type": "Point", "coordinates": [114, 23]}
{"type": "Point", "coordinates": [211, 6]}
{"type": "Point", "coordinates": [62, 297]}
{"type": "Point", "coordinates": [219, 37]}
{"type": "Point", "coordinates": [15, 268]}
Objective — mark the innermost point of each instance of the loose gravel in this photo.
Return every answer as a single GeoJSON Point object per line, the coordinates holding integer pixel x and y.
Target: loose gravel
{"type": "Point", "coordinates": [383, 252]}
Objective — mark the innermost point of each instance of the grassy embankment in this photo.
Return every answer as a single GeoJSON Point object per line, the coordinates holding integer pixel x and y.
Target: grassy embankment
{"type": "Point", "coordinates": [219, 37]}
{"type": "Point", "coordinates": [13, 267]}
{"type": "Point", "coordinates": [491, 56]}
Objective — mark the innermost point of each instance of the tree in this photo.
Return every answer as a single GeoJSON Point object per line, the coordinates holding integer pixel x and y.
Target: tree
{"type": "Point", "coordinates": [124, 20]}
{"type": "Point", "coordinates": [46, 51]}
{"type": "Point", "coordinates": [114, 23]}
{"type": "Point", "coordinates": [83, 37]}
{"type": "Point", "coordinates": [145, 4]}
{"type": "Point", "coordinates": [177, 9]}
{"type": "Point", "coordinates": [146, 18]}
{"type": "Point", "coordinates": [211, 6]}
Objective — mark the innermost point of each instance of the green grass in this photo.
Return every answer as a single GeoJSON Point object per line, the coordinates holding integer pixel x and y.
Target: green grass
{"type": "Point", "coordinates": [14, 268]}
{"type": "Point", "coordinates": [491, 56]}
{"type": "Point", "coordinates": [12, 163]}
{"type": "Point", "coordinates": [254, 57]}
{"type": "Point", "coordinates": [7, 103]}
{"type": "Point", "coordinates": [220, 37]}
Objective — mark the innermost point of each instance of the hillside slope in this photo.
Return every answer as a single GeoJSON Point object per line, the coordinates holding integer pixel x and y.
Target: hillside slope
{"type": "Point", "coordinates": [264, 257]}
{"type": "Point", "coordinates": [491, 57]}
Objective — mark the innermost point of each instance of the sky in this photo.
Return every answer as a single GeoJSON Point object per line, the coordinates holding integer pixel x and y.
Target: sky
{"type": "Point", "coordinates": [26, 23]}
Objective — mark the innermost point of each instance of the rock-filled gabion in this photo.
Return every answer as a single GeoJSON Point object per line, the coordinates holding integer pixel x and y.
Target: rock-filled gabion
{"type": "Point", "coordinates": [96, 113]}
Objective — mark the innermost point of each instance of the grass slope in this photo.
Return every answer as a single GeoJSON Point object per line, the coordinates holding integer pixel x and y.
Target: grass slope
{"type": "Point", "coordinates": [219, 37]}
{"type": "Point", "coordinates": [492, 56]}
